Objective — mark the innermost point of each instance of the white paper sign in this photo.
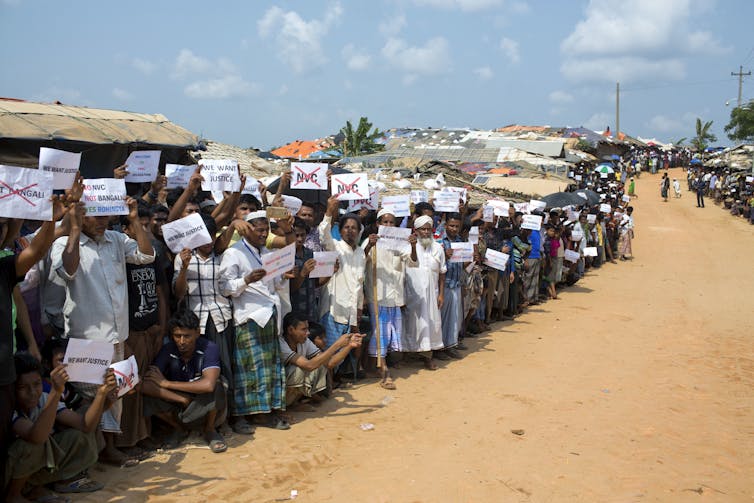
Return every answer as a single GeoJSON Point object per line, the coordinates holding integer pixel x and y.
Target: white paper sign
{"type": "Point", "coordinates": [577, 234]}
{"type": "Point", "coordinates": [606, 208]}
{"type": "Point", "coordinates": [522, 207]}
{"type": "Point", "coordinates": [446, 202]}
{"type": "Point", "coordinates": [142, 166]}
{"type": "Point", "coordinates": [126, 374]}
{"type": "Point", "coordinates": [220, 174]}
{"type": "Point", "coordinates": [371, 204]}
{"type": "Point", "coordinates": [325, 264]}
{"type": "Point", "coordinates": [626, 198]}
{"type": "Point", "coordinates": [590, 251]}
{"type": "Point", "coordinates": [25, 193]}
{"type": "Point", "coordinates": [419, 196]}
{"type": "Point", "coordinates": [279, 262]}
{"type": "Point", "coordinates": [591, 218]}
{"type": "Point", "coordinates": [309, 175]}
{"type": "Point", "coordinates": [87, 360]}
{"type": "Point", "coordinates": [178, 175]}
{"type": "Point", "coordinates": [399, 205]}
{"type": "Point", "coordinates": [495, 259]}
{"type": "Point", "coordinates": [462, 252]}
{"type": "Point", "coordinates": [488, 213]}
{"type": "Point", "coordinates": [749, 179]}
{"type": "Point", "coordinates": [474, 235]}
{"type": "Point", "coordinates": [393, 238]}
{"type": "Point", "coordinates": [292, 204]}
{"type": "Point", "coordinates": [63, 166]}
{"type": "Point", "coordinates": [571, 256]}
{"type": "Point", "coordinates": [603, 175]}
{"type": "Point", "coordinates": [252, 187]}
{"type": "Point", "coordinates": [533, 222]}
{"type": "Point", "coordinates": [537, 205]}
{"type": "Point", "coordinates": [105, 197]}
{"type": "Point", "coordinates": [187, 232]}
{"type": "Point", "coordinates": [461, 191]}
{"type": "Point", "coordinates": [349, 186]}
{"type": "Point", "coordinates": [577, 178]}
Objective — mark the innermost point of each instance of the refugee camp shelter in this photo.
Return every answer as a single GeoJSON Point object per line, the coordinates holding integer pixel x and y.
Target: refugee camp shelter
{"type": "Point", "coordinates": [104, 137]}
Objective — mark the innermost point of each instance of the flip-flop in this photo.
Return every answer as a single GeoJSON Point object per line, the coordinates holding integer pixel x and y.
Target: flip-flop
{"type": "Point", "coordinates": [387, 384]}
{"type": "Point", "coordinates": [242, 427]}
{"type": "Point", "coordinates": [216, 442]}
{"type": "Point", "coordinates": [82, 485]}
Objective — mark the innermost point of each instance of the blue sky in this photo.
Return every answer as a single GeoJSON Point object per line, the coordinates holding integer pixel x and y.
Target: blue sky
{"type": "Point", "coordinates": [264, 73]}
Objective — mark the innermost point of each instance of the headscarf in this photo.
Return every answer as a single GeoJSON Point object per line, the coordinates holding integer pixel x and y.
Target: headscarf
{"type": "Point", "coordinates": [422, 221]}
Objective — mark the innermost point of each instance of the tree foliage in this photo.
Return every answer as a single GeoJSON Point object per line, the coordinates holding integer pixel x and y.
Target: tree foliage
{"type": "Point", "coordinates": [361, 140]}
{"type": "Point", "coordinates": [703, 136]}
{"type": "Point", "coordinates": [741, 125]}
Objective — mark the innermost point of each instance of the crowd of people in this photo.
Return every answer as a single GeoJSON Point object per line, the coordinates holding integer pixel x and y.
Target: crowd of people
{"type": "Point", "coordinates": [732, 189]}
{"type": "Point", "coordinates": [220, 346]}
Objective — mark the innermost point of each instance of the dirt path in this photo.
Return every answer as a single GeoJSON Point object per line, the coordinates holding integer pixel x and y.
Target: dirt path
{"type": "Point", "coordinates": [638, 385]}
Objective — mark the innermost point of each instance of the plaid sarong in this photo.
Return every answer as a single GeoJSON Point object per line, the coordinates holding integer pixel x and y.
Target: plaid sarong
{"type": "Point", "coordinates": [258, 373]}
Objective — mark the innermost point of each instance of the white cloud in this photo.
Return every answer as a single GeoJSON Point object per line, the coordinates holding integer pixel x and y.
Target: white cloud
{"type": "Point", "coordinates": [644, 34]}
{"type": "Point", "coordinates": [143, 66]}
{"type": "Point", "coordinates": [599, 121]}
{"type": "Point", "coordinates": [664, 124]}
{"type": "Point", "coordinates": [465, 5]}
{"type": "Point", "coordinates": [230, 86]}
{"type": "Point", "coordinates": [392, 27]}
{"type": "Point", "coordinates": [484, 72]}
{"type": "Point", "coordinates": [510, 49]}
{"type": "Point", "coordinates": [433, 58]}
{"type": "Point", "coordinates": [122, 94]}
{"type": "Point", "coordinates": [355, 59]}
{"type": "Point", "coordinates": [560, 97]}
{"type": "Point", "coordinates": [210, 79]}
{"type": "Point", "coordinates": [298, 41]}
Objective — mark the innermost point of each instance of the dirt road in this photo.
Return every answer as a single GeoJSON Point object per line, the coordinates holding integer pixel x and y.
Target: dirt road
{"type": "Point", "coordinates": [638, 385]}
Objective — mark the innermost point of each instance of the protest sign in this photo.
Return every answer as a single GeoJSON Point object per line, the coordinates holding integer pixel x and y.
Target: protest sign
{"type": "Point", "coordinates": [252, 187]}
{"type": "Point", "coordinates": [350, 186]}
{"type": "Point", "coordinates": [495, 259]}
{"type": "Point", "coordinates": [309, 175]}
{"type": "Point", "coordinates": [105, 197]}
{"type": "Point", "coordinates": [220, 174]}
{"type": "Point", "coordinates": [372, 203]}
{"type": "Point", "coordinates": [474, 235]}
{"type": "Point", "coordinates": [419, 196]}
{"type": "Point", "coordinates": [187, 232]}
{"type": "Point", "coordinates": [577, 234]}
{"type": "Point", "coordinates": [571, 256]}
{"type": "Point", "coordinates": [63, 166]}
{"type": "Point", "coordinates": [393, 238]}
{"type": "Point", "coordinates": [488, 213]}
{"type": "Point", "coordinates": [571, 215]}
{"type": "Point", "coordinates": [501, 208]}
{"type": "Point", "coordinates": [522, 207]}
{"type": "Point", "coordinates": [325, 264]}
{"type": "Point", "coordinates": [570, 174]}
{"type": "Point", "coordinates": [749, 179]}
{"type": "Point", "coordinates": [178, 175]}
{"type": "Point", "coordinates": [87, 360]}
{"type": "Point", "coordinates": [533, 222]}
{"type": "Point", "coordinates": [447, 202]}
{"type": "Point", "coordinates": [279, 262]}
{"type": "Point", "coordinates": [25, 193]}
{"type": "Point", "coordinates": [292, 204]}
{"type": "Point", "coordinates": [606, 208]}
{"type": "Point", "coordinates": [577, 178]}
{"type": "Point", "coordinates": [461, 191]}
{"type": "Point", "coordinates": [537, 205]}
{"type": "Point", "coordinates": [142, 166]}
{"type": "Point", "coordinates": [126, 374]}
{"type": "Point", "coordinates": [462, 252]}
{"type": "Point", "coordinates": [591, 218]}
{"type": "Point", "coordinates": [626, 198]}
{"type": "Point", "coordinates": [603, 175]}
{"type": "Point", "coordinates": [590, 251]}
{"type": "Point", "coordinates": [400, 206]}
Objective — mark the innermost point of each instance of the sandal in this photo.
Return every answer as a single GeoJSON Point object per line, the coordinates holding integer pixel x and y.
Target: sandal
{"type": "Point", "coordinates": [82, 485]}
{"type": "Point", "coordinates": [387, 383]}
{"type": "Point", "coordinates": [242, 427]}
{"type": "Point", "coordinates": [216, 442]}
{"type": "Point", "coordinates": [429, 364]}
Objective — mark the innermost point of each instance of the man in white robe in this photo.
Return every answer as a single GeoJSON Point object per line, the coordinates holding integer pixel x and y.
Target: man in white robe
{"type": "Point", "coordinates": [425, 285]}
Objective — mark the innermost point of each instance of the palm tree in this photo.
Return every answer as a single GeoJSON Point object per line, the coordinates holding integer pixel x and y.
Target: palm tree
{"type": "Point", "coordinates": [360, 140]}
{"type": "Point", "coordinates": [703, 137]}
{"type": "Point", "coordinates": [679, 142]}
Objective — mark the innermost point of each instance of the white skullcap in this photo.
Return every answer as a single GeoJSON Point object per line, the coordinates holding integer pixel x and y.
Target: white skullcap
{"type": "Point", "coordinates": [422, 221]}
{"type": "Point", "coordinates": [384, 211]}
{"type": "Point", "coordinates": [255, 215]}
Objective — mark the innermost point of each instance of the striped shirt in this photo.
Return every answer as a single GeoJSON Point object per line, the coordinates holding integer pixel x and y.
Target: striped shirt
{"type": "Point", "coordinates": [203, 294]}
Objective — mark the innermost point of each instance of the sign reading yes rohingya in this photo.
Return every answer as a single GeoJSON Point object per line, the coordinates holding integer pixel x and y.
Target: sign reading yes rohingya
{"type": "Point", "coordinates": [220, 174]}
{"type": "Point", "coordinates": [105, 197]}
{"type": "Point", "coordinates": [309, 175]}
{"type": "Point", "coordinates": [187, 232]}
{"type": "Point", "coordinates": [25, 193]}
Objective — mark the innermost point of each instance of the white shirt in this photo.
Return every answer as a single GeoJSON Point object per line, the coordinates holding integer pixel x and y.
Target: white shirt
{"type": "Point", "coordinates": [255, 301]}
{"type": "Point", "coordinates": [343, 295]}
{"type": "Point", "coordinates": [391, 274]}
{"type": "Point", "coordinates": [96, 304]}
{"type": "Point", "coordinates": [203, 293]}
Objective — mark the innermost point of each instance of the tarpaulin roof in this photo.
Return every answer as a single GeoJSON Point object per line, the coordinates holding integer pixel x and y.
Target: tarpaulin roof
{"type": "Point", "coordinates": [22, 120]}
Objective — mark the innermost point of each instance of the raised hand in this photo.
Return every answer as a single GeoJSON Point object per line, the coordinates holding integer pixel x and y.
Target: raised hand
{"type": "Point", "coordinates": [121, 171]}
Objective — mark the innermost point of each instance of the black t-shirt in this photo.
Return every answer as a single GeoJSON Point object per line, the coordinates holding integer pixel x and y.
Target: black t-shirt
{"type": "Point", "coordinates": [8, 280]}
{"type": "Point", "coordinates": [143, 302]}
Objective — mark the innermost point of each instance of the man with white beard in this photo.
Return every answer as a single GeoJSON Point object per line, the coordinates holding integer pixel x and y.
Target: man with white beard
{"type": "Point", "coordinates": [425, 285]}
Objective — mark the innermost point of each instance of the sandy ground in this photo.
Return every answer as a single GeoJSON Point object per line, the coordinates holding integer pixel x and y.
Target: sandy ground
{"type": "Point", "coordinates": [636, 386]}
{"type": "Point", "coordinates": [527, 185]}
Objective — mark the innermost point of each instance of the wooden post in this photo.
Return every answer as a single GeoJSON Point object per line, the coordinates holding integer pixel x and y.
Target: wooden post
{"type": "Point", "coordinates": [376, 307]}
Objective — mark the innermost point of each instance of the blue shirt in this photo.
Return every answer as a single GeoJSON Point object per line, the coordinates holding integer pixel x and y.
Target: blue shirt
{"type": "Point", "coordinates": [206, 356]}
{"type": "Point", "coordinates": [453, 275]}
{"type": "Point", "coordinates": [535, 240]}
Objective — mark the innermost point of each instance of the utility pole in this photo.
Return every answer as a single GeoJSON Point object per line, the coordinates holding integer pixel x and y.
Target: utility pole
{"type": "Point", "coordinates": [740, 76]}
{"type": "Point", "coordinates": [617, 109]}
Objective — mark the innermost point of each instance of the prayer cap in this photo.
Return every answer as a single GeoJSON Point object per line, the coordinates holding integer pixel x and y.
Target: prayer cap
{"type": "Point", "coordinates": [422, 221]}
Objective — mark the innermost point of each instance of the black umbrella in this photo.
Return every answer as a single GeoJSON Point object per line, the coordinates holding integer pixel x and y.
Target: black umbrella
{"type": "Point", "coordinates": [588, 196]}
{"type": "Point", "coordinates": [311, 196]}
{"type": "Point", "coordinates": [560, 199]}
